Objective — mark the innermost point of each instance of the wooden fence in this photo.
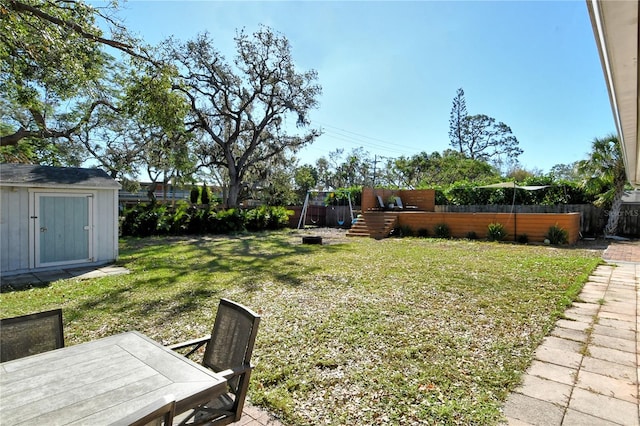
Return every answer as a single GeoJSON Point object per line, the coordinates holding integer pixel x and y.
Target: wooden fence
{"type": "Point", "coordinates": [592, 218]}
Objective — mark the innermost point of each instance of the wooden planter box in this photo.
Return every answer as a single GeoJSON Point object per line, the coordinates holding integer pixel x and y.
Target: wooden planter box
{"type": "Point", "coordinates": [534, 225]}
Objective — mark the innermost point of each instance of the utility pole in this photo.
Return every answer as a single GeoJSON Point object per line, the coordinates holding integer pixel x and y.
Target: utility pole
{"type": "Point", "coordinates": [375, 163]}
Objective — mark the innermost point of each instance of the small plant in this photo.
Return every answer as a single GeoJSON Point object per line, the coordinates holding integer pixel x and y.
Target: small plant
{"type": "Point", "coordinates": [423, 233]}
{"type": "Point", "coordinates": [557, 235]}
{"type": "Point", "coordinates": [406, 231]}
{"type": "Point", "coordinates": [523, 239]}
{"type": "Point", "coordinates": [471, 235]}
{"type": "Point", "coordinates": [496, 232]}
{"type": "Point", "coordinates": [442, 230]}
{"type": "Point", "coordinates": [402, 231]}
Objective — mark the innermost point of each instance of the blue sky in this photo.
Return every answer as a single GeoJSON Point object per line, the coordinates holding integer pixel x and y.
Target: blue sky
{"type": "Point", "coordinates": [389, 70]}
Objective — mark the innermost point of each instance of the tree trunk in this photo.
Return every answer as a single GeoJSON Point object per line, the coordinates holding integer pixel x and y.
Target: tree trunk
{"type": "Point", "coordinates": [614, 213]}
{"type": "Point", "coordinates": [234, 192]}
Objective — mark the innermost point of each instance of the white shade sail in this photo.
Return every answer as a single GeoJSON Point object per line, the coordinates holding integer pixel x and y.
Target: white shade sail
{"type": "Point", "coordinates": [513, 185]}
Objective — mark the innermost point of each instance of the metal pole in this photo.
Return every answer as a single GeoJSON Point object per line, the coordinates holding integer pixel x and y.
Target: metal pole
{"type": "Point", "coordinates": [303, 212]}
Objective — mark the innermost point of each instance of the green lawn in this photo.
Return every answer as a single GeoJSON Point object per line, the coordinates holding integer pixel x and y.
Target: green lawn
{"type": "Point", "coordinates": [397, 331]}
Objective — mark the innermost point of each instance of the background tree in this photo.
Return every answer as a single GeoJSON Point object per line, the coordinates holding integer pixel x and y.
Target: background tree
{"type": "Point", "coordinates": [438, 169]}
{"type": "Point", "coordinates": [271, 181]}
{"type": "Point", "coordinates": [354, 170]}
{"type": "Point", "coordinates": [305, 178]}
{"type": "Point", "coordinates": [566, 172]}
{"type": "Point", "coordinates": [241, 111]}
{"type": "Point", "coordinates": [604, 175]}
{"type": "Point", "coordinates": [324, 172]}
{"type": "Point", "coordinates": [157, 131]}
{"type": "Point", "coordinates": [457, 121]}
{"type": "Point", "coordinates": [204, 194]}
{"type": "Point", "coordinates": [279, 189]}
{"type": "Point", "coordinates": [521, 174]}
{"type": "Point", "coordinates": [194, 194]}
{"type": "Point", "coordinates": [480, 137]}
{"type": "Point", "coordinates": [486, 140]}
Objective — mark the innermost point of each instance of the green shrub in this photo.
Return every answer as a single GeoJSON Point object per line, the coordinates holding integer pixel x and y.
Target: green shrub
{"type": "Point", "coordinates": [181, 218]}
{"type": "Point", "coordinates": [496, 232]}
{"type": "Point", "coordinates": [401, 231]}
{"type": "Point", "coordinates": [204, 194]}
{"type": "Point", "coordinates": [226, 222]}
{"type": "Point", "coordinates": [198, 221]}
{"type": "Point", "coordinates": [523, 239]}
{"type": "Point", "coordinates": [266, 217]}
{"type": "Point", "coordinates": [557, 235]}
{"type": "Point", "coordinates": [471, 235]}
{"type": "Point", "coordinates": [154, 219]}
{"type": "Point", "coordinates": [442, 230]}
{"type": "Point", "coordinates": [422, 233]}
{"type": "Point", "coordinates": [144, 220]}
{"type": "Point", "coordinates": [406, 231]}
{"type": "Point", "coordinates": [194, 194]}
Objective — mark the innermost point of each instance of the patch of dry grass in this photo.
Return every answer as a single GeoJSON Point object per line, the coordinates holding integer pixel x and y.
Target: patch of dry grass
{"type": "Point", "coordinates": [397, 331]}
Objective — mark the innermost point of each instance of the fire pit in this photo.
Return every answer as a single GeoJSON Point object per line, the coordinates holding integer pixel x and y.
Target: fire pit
{"type": "Point", "coordinates": [312, 240]}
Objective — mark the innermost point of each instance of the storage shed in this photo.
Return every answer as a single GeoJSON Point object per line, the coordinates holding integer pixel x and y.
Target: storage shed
{"type": "Point", "coordinates": [54, 217]}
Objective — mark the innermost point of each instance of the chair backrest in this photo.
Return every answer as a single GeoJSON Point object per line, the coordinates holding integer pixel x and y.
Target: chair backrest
{"type": "Point", "coordinates": [30, 334]}
{"type": "Point", "coordinates": [232, 339]}
{"type": "Point", "coordinates": [399, 202]}
{"type": "Point", "coordinates": [158, 413]}
{"type": "Point", "coordinates": [380, 202]}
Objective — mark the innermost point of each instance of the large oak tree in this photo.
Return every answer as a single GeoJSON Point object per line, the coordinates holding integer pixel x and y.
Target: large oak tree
{"type": "Point", "coordinates": [248, 111]}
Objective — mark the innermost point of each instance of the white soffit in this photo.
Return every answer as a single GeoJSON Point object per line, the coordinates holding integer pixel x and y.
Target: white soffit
{"type": "Point", "coordinates": [615, 26]}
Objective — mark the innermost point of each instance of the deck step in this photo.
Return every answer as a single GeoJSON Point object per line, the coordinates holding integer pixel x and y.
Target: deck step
{"type": "Point", "coordinates": [374, 224]}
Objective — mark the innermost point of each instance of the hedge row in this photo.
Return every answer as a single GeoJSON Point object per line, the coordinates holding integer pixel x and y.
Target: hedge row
{"type": "Point", "coordinates": [464, 193]}
{"type": "Point", "coordinates": [145, 220]}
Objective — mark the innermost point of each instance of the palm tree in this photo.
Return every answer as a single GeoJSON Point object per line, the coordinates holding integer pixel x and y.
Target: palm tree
{"type": "Point", "coordinates": [604, 174]}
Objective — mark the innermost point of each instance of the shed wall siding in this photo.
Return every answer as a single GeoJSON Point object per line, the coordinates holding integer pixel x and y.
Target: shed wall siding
{"type": "Point", "coordinates": [105, 226]}
{"type": "Point", "coordinates": [14, 229]}
{"type": "Point", "coordinates": [14, 226]}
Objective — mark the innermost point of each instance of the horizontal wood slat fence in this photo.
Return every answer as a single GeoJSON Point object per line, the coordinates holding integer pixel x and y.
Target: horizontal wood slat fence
{"type": "Point", "coordinates": [534, 225]}
{"type": "Point", "coordinates": [591, 222]}
{"type": "Point", "coordinates": [593, 219]}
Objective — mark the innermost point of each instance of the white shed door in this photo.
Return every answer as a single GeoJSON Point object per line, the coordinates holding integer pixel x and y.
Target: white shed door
{"type": "Point", "coordinates": [63, 228]}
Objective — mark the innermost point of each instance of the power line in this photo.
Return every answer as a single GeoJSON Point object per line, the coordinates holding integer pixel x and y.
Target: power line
{"type": "Point", "coordinates": [346, 135]}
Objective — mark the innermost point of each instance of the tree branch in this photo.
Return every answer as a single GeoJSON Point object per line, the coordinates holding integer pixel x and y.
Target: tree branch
{"type": "Point", "coordinates": [26, 8]}
{"type": "Point", "coordinates": [44, 132]}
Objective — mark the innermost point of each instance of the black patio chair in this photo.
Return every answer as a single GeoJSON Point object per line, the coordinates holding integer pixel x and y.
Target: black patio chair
{"type": "Point", "coordinates": [228, 352]}
{"type": "Point", "coordinates": [30, 334]}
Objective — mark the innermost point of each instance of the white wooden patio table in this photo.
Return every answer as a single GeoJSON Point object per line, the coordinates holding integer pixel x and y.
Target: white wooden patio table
{"type": "Point", "coordinates": [99, 382]}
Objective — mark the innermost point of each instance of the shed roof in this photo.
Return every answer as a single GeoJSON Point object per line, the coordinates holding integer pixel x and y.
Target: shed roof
{"type": "Point", "coordinates": [54, 177]}
{"type": "Point", "coordinates": [631, 197]}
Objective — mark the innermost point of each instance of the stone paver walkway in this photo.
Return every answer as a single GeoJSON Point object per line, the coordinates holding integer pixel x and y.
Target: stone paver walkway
{"type": "Point", "coordinates": [586, 372]}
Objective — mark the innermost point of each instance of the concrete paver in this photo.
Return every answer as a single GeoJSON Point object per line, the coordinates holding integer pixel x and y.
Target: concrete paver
{"type": "Point", "coordinates": [602, 377]}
